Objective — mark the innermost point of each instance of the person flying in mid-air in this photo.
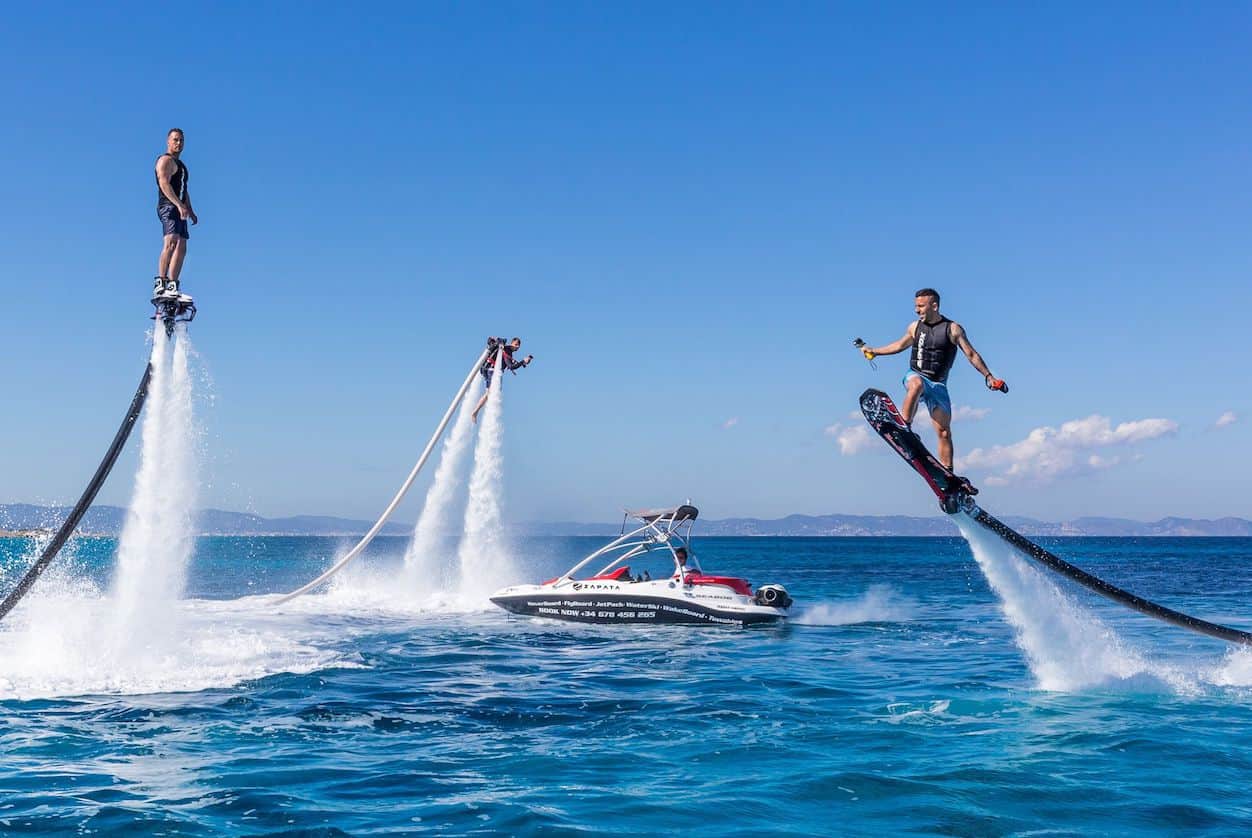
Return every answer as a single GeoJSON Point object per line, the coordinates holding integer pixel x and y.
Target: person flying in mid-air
{"type": "Point", "coordinates": [174, 210]}
{"type": "Point", "coordinates": [933, 340]}
{"type": "Point", "coordinates": [488, 368]}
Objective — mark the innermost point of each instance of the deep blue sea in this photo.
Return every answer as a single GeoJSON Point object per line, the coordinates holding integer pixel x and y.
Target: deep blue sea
{"type": "Point", "coordinates": [908, 696]}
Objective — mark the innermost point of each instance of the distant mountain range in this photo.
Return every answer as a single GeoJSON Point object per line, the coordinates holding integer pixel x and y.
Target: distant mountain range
{"type": "Point", "coordinates": [904, 525]}
{"type": "Point", "coordinates": [107, 520]}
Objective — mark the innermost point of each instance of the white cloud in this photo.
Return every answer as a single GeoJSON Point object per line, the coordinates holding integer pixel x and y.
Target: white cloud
{"type": "Point", "coordinates": [852, 440]}
{"type": "Point", "coordinates": [730, 423]}
{"type": "Point", "coordinates": [1227, 418]}
{"type": "Point", "coordinates": [964, 413]}
{"type": "Point", "coordinates": [1076, 447]}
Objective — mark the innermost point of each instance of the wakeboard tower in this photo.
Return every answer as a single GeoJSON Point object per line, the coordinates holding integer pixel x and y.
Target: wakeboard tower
{"type": "Point", "coordinates": [956, 496]}
{"type": "Point", "coordinates": [679, 592]}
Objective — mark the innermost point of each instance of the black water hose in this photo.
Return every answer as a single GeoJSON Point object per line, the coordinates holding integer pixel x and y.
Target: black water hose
{"type": "Point", "coordinates": [1082, 577]}
{"type": "Point", "coordinates": [84, 502]}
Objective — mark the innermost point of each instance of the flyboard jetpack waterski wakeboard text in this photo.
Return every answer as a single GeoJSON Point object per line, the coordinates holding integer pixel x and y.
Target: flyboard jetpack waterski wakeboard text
{"type": "Point", "coordinates": [956, 496]}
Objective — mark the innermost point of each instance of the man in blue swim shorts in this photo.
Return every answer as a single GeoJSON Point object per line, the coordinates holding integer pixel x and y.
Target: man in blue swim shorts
{"type": "Point", "coordinates": [934, 340]}
{"type": "Point", "coordinates": [174, 210]}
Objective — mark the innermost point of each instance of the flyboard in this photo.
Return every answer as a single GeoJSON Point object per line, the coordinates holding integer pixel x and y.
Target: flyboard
{"type": "Point", "coordinates": [170, 309]}
{"type": "Point", "coordinates": [956, 495]}
{"type": "Point", "coordinates": [173, 307]}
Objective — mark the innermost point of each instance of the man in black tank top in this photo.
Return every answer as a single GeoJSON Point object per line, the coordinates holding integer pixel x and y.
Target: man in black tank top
{"type": "Point", "coordinates": [174, 210]}
{"type": "Point", "coordinates": [933, 340]}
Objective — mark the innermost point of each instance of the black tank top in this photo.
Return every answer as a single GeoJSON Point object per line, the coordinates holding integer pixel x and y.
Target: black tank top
{"type": "Point", "coordinates": [178, 183]}
{"type": "Point", "coordinates": [933, 350]}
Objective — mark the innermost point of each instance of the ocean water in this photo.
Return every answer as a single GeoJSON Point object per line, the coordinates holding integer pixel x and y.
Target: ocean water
{"type": "Point", "coordinates": [906, 697]}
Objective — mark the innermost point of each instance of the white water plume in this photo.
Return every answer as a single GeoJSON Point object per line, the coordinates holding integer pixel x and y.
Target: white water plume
{"type": "Point", "coordinates": [482, 556]}
{"type": "Point", "coordinates": [1067, 647]}
{"type": "Point", "coordinates": [428, 563]}
{"type": "Point", "coordinates": [157, 539]}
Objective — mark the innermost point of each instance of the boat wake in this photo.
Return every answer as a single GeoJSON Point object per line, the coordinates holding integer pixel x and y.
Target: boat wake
{"type": "Point", "coordinates": [879, 604]}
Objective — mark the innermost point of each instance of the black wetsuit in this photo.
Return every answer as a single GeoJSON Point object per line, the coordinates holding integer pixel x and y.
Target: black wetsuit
{"type": "Point", "coordinates": [933, 350]}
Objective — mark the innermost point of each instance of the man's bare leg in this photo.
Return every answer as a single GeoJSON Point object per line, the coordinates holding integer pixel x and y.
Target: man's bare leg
{"type": "Point", "coordinates": [912, 393]}
{"type": "Point", "coordinates": [943, 427]}
{"type": "Point", "coordinates": [176, 259]}
{"type": "Point", "coordinates": [481, 402]}
{"type": "Point", "coordinates": [167, 254]}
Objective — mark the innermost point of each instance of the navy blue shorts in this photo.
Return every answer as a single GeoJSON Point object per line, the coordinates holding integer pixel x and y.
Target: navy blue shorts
{"type": "Point", "coordinates": [487, 375]}
{"type": "Point", "coordinates": [171, 223]}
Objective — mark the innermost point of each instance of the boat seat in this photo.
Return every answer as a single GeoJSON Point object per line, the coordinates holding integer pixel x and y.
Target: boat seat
{"type": "Point", "coordinates": [737, 585]}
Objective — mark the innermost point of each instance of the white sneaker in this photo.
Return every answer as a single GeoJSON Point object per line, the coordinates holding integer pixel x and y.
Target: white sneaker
{"type": "Point", "coordinates": [158, 286]}
{"type": "Point", "coordinates": [171, 289]}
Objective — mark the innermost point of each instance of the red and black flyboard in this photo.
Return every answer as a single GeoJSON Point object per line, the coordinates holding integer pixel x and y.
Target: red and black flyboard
{"type": "Point", "coordinates": [956, 495]}
{"type": "Point", "coordinates": [884, 417]}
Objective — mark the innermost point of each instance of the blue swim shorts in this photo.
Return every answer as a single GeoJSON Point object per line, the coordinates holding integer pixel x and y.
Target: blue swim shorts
{"type": "Point", "coordinates": [171, 223]}
{"type": "Point", "coordinates": [934, 393]}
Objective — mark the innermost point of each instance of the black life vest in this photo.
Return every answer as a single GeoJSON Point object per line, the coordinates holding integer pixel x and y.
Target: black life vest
{"type": "Point", "coordinates": [933, 349]}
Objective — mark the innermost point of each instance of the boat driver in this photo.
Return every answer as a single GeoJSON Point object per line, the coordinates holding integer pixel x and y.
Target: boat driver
{"type": "Point", "coordinates": [686, 565]}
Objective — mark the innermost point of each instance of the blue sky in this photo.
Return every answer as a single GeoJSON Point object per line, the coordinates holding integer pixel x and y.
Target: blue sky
{"type": "Point", "coordinates": [688, 213]}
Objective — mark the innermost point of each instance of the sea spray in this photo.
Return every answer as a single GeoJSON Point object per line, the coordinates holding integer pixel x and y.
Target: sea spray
{"type": "Point", "coordinates": [156, 540]}
{"type": "Point", "coordinates": [1067, 647]}
{"type": "Point", "coordinates": [482, 557]}
{"type": "Point", "coordinates": [428, 561]}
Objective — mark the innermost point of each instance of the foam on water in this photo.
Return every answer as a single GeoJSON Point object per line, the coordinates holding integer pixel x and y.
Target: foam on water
{"type": "Point", "coordinates": [429, 563]}
{"type": "Point", "coordinates": [55, 648]}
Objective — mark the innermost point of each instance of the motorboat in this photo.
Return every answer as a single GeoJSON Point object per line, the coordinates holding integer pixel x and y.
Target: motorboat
{"type": "Point", "coordinates": [680, 592]}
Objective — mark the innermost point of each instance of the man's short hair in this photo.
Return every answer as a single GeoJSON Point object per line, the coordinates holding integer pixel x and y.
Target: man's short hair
{"type": "Point", "coordinates": [518, 341]}
{"type": "Point", "coordinates": [173, 131]}
{"type": "Point", "coordinates": [928, 292]}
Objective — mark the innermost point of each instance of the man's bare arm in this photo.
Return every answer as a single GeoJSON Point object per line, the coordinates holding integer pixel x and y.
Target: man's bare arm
{"type": "Point", "coordinates": [962, 340]}
{"type": "Point", "coordinates": [191, 214]}
{"type": "Point", "coordinates": [900, 345]}
{"type": "Point", "coordinates": [165, 170]}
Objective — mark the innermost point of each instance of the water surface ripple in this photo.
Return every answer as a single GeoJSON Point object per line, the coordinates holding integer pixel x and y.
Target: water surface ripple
{"type": "Point", "coordinates": [898, 702]}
